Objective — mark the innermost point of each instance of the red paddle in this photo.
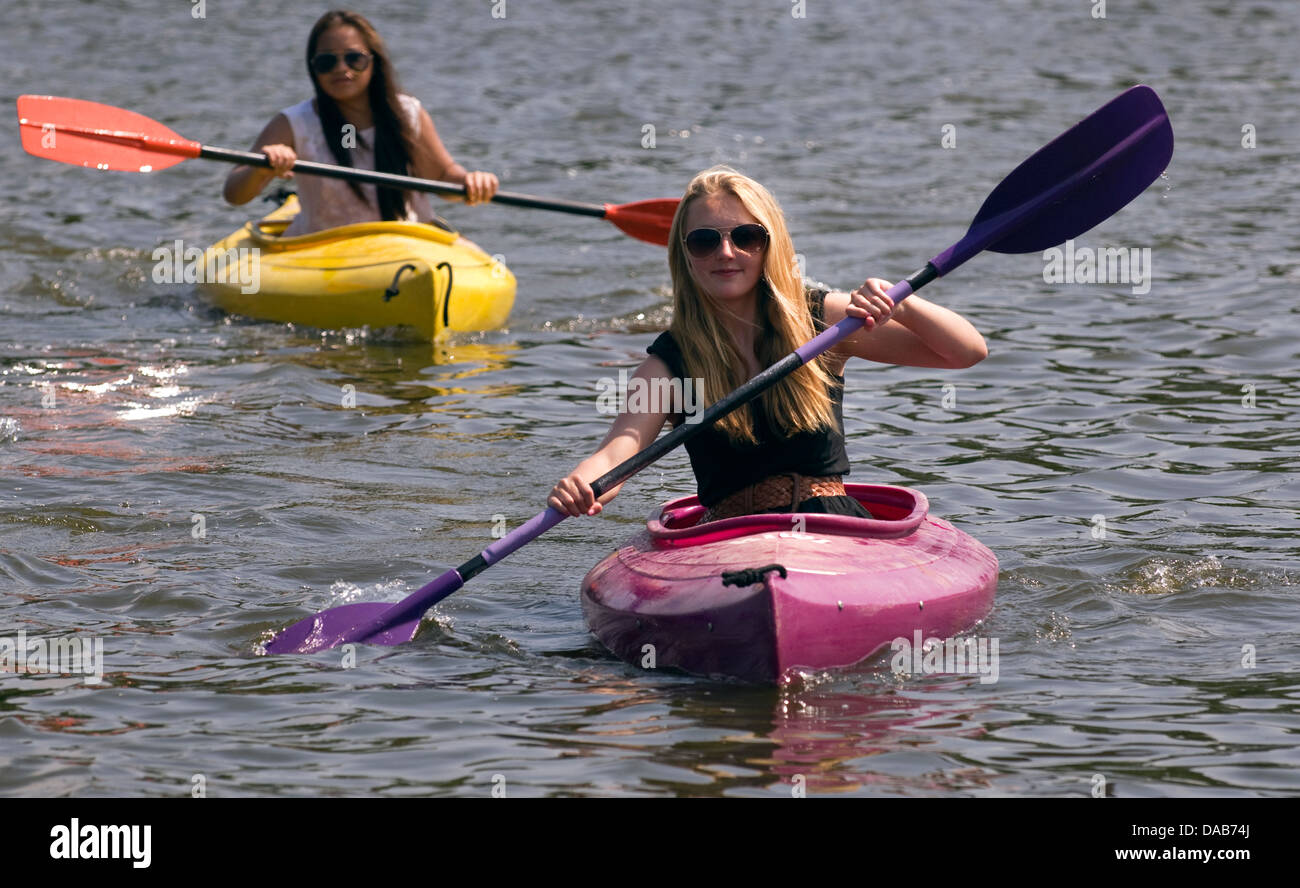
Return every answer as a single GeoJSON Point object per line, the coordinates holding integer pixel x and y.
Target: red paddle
{"type": "Point", "coordinates": [106, 138]}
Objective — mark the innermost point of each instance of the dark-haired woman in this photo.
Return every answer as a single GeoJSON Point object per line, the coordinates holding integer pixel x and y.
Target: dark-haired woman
{"type": "Point", "coordinates": [358, 118]}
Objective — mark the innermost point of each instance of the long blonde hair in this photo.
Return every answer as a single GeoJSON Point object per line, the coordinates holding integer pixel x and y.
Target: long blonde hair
{"type": "Point", "coordinates": [799, 402]}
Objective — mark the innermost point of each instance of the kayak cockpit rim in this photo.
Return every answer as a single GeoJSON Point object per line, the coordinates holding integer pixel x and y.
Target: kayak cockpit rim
{"type": "Point", "coordinates": [897, 512]}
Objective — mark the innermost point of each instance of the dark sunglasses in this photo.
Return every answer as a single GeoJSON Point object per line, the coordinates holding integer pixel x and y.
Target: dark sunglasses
{"type": "Point", "coordinates": [704, 242]}
{"type": "Point", "coordinates": [325, 62]}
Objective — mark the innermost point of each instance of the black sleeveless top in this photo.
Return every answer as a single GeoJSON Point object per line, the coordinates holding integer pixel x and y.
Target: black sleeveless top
{"type": "Point", "coordinates": [723, 466]}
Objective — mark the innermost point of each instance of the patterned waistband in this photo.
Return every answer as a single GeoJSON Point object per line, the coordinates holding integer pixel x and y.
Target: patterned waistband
{"type": "Point", "coordinates": [775, 492]}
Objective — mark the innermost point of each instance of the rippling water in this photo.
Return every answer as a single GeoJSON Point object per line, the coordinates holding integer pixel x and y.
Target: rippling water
{"type": "Point", "coordinates": [1130, 458]}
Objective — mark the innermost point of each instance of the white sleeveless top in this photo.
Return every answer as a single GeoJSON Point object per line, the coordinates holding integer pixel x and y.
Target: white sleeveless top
{"type": "Point", "coordinates": [327, 203]}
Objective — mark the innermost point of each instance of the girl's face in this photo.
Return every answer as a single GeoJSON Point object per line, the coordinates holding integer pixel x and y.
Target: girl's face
{"type": "Point", "coordinates": [342, 83]}
{"type": "Point", "coordinates": [727, 274]}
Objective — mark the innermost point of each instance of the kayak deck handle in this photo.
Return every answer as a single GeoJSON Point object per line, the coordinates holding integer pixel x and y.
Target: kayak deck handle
{"type": "Point", "coordinates": [750, 576]}
{"type": "Point", "coordinates": [446, 297]}
{"type": "Point", "coordinates": [393, 288]}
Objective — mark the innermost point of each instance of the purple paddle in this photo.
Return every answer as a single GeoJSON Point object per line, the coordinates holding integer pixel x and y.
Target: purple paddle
{"type": "Point", "coordinates": [1069, 185]}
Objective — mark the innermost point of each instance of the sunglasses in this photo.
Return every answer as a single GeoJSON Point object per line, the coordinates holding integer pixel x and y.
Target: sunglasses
{"type": "Point", "coordinates": [325, 62]}
{"type": "Point", "coordinates": [704, 242]}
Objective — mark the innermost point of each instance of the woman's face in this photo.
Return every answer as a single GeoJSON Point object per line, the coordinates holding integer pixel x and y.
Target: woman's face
{"type": "Point", "coordinates": [342, 84]}
{"type": "Point", "coordinates": [727, 274]}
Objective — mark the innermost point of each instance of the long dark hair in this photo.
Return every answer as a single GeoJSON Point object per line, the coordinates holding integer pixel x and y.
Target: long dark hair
{"type": "Point", "coordinates": [395, 139]}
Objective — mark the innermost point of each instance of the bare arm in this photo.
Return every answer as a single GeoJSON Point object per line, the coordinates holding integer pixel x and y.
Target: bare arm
{"type": "Point", "coordinates": [630, 434]}
{"type": "Point", "coordinates": [435, 162]}
{"type": "Point", "coordinates": [276, 141]}
{"type": "Point", "coordinates": [914, 333]}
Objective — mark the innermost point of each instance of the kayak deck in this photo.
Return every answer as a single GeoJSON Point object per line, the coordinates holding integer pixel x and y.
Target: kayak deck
{"type": "Point", "coordinates": [850, 586]}
{"type": "Point", "coordinates": [376, 274]}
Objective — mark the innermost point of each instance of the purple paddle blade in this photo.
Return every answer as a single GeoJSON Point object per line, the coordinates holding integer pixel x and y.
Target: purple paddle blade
{"type": "Point", "coordinates": [338, 624]}
{"type": "Point", "coordinates": [396, 623]}
{"type": "Point", "coordinates": [369, 623]}
{"type": "Point", "coordinates": [1077, 180]}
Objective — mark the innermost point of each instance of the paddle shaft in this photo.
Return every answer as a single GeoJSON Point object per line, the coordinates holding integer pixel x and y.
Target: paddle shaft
{"type": "Point", "coordinates": [392, 180]}
{"type": "Point", "coordinates": [188, 148]}
{"type": "Point", "coordinates": [450, 581]}
{"type": "Point", "coordinates": [687, 430]}
{"type": "Point", "coordinates": [755, 387]}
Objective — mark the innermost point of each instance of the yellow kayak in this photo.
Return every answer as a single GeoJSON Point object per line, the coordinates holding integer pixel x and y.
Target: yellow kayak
{"type": "Point", "coordinates": [380, 274]}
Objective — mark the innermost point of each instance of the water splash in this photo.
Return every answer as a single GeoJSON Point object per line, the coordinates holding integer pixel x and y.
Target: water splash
{"type": "Point", "coordinates": [1160, 576]}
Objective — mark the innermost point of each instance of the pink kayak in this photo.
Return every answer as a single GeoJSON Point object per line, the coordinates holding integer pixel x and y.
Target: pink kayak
{"type": "Point", "coordinates": [758, 597]}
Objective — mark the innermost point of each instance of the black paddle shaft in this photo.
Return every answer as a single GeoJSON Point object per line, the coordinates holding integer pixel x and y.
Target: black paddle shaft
{"type": "Point", "coordinates": [392, 180]}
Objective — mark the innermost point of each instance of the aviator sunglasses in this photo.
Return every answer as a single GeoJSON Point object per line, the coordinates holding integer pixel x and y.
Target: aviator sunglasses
{"type": "Point", "coordinates": [325, 62]}
{"type": "Point", "coordinates": [704, 242]}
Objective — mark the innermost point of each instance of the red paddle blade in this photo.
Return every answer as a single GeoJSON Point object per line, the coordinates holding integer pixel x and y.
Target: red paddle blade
{"type": "Point", "coordinates": [101, 137]}
{"type": "Point", "coordinates": [647, 220]}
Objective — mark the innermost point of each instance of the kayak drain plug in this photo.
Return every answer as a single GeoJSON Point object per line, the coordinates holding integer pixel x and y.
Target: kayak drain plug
{"type": "Point", "coordinates": [750, 576]}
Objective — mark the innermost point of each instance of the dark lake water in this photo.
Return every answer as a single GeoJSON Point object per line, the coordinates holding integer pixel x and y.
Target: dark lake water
{"type": "Point", "coordinates": [1130, 457]}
